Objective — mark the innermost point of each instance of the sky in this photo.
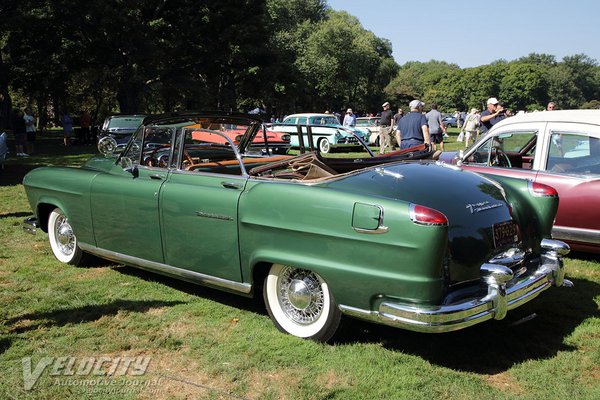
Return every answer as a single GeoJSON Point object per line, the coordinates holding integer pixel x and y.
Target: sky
{"type": "Point", "coordinates": [473, 33]}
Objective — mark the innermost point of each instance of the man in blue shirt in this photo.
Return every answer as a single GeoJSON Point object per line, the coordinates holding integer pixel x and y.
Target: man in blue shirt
{"type": "Point", "coordinates": [413, 126]}
{"type": "Point", "coordinates": [494, 113]}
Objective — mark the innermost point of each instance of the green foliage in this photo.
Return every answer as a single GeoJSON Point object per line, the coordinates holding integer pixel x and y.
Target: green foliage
{"type": "Point", "coordinates": [284, 56]}
{"type": "Point", "coordinates": [524, 86]}
{"type": "Point", "coordinates": [343, 62]}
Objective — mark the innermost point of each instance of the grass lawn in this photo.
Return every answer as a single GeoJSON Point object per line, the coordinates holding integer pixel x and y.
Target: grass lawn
{"type": "Point", "coordinates": [205, 344]}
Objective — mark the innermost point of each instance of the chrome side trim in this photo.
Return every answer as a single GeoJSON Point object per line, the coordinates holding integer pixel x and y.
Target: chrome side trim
{"type": "Point", "coordinates": [576, 234]}
{"type": "Point", "coordinates": [505, 292]}
{"type": "Point", "coordinates": [380, 229]}
{"type": "Point", "coordinates": [164, 269]}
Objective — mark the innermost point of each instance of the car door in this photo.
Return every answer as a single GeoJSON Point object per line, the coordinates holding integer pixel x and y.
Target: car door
{"type": "Point", "coordinates": [509, 151]}
{"type": "Point", "coordinates": [570, 163]}
{"type": "Point", "coordinates": [124, 204]}
{"type": "Point", "coordinates": [199, 208]}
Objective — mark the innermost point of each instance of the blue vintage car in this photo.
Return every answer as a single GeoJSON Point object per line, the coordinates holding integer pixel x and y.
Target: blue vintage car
{"type": "Point", "coordinates": [413, 244]}
{"type": "Point", "coordinates": [327, 132]}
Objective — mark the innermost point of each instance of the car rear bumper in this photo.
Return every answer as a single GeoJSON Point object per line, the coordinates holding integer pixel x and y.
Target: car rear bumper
{"type": "Point", "coordinates": [504, 292]}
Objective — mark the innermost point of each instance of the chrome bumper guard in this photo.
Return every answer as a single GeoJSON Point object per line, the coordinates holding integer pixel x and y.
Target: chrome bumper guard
{"type": "Point", "coordinates": [504, 292]}
{"type": "Point", "coordinates": [31, 225]}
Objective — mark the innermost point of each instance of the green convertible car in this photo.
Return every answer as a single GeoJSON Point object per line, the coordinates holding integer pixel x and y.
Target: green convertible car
{"type": "Point", "coordinates": [413, 244]}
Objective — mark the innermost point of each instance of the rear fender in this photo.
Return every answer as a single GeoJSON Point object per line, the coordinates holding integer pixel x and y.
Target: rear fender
{"type": "Point", "coordinates": [535, 213]}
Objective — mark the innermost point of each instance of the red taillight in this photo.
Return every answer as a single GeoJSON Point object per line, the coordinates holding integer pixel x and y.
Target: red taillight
{"type": "Point", "coordinates": [541, 190]}
{"type": "Point", "coordinates": [427, 216]}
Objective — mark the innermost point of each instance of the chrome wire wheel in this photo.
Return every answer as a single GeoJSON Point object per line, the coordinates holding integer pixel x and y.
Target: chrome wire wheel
{"type": "Point", "coordinates": [62, 238]}
{"type": "Point", "coordinates": [300, 303]}
{"type": "Point", "coordinates": [63, 235]}
{"type": "Point", "coordinates": [300, 295]}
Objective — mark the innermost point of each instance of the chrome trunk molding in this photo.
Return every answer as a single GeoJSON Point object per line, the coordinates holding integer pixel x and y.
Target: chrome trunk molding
{"type": "Point", "coordinates": [164, 269]}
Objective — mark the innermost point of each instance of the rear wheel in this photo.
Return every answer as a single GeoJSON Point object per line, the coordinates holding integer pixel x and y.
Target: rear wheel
{"type": "Point", "coordinates": [300, 303]}
{"type": "Point", "coordinates": [62, 239]}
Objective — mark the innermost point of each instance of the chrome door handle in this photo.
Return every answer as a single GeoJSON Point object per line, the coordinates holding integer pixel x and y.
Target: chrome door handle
{"type": "Point", "coordinates": [232, 185]}
{"type": "Point", "coordinates": [157, 176]}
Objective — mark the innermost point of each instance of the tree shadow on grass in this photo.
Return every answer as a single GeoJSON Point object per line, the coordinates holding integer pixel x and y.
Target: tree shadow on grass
{"type": "Point", "coordinates": [4, 344]}
{"type": "Point", "coordinates": [61, 317]}
{"type": "Point", "coordinates": [494, 346]}
{"type": "Point", "coordinates": [16, 214]}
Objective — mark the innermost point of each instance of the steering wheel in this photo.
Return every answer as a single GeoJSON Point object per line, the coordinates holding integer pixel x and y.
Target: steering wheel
{"type": "Point", "coordinates": [499, 158]}
{"type": "Point", "coordinates": [153, 161]}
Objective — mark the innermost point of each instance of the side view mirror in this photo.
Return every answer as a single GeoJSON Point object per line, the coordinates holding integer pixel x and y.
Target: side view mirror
{"type": "Point", "coordinates": [107, 146]}
{"type": "Point", "coordinates": [128, 166]}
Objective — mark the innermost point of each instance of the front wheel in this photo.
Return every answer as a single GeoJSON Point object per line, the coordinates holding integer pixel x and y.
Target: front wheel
{"type": "Point", "coordinates": [324, 145]}
{"type": "Point", "coordinates": [299, 303]}
{"type": "Point", "coordinates": [62, 239]}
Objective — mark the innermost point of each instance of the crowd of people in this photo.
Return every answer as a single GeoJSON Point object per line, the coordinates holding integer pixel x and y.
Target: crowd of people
{"type": "Point", "coordinates": [418, 127]}
{"type": "Point", "coordinates": [26, 126]}
{"type": "Point", "coordinates": [414, 128]}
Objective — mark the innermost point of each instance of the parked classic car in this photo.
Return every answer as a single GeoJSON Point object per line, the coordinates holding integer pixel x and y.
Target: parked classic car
{"type": "Point", "coordinates": [372, 242]}
{"type": "Point", "coordinates": [266, 140]}
{"type": "Point", "coordinates": [372, 124]}
{"type": "Point", "coordinates": [328, 133]}
{"type": "Point", "coordinates": [558, 148]}
{"type": "Point", "coordinates": [120, 127]}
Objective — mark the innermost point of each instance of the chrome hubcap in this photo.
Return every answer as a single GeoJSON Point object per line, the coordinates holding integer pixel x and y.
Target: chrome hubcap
{"type": "Point", "coordinates": [300, 295]}
{"type": "Point", "coordinates": [65, 239]}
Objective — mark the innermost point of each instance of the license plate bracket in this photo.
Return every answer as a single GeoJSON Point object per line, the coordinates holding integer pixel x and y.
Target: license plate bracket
{"type": "Point", "coordinates": [505, 233]}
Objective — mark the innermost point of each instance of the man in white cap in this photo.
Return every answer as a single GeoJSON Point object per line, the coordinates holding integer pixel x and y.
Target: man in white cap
{"type": "Point", "coordinates": [494, 113]}
{"type": "Point", "coordinates": [413, 129]}
{"type": "Point", "coordinates": [349, 118]}
{"type": "Point", "coordinates": [385, 132]}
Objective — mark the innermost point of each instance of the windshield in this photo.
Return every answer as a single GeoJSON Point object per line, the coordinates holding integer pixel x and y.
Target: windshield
{"type": "Point", "coordinates": [125, 122]}
{"type": "Point", "coordinates": [324, 120]}
{"type": "Point", "coordinates": [366, 122]}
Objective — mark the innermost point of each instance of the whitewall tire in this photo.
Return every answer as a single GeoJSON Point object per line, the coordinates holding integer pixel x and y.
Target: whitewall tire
{"type": "Point", "coordinates": [300, 303]}
{"type": "Point", "coordinates": [324, 145]}
{"type": "Point", "coordinates": [62, 239]}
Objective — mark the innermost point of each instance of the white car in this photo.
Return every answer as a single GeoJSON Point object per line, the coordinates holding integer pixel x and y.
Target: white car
{"type": "Point", "coordinates": [372, 124]}
{"type": "Point", "coordinates": [327, 132]}
{"type": "Point", "coordinates": [560, 149]}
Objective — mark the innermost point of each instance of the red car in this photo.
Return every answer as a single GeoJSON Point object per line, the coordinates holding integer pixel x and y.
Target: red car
{"type": "Point", "coordinates": [277, 142]}
{"type": "Point", "coordinates": [557, 148]}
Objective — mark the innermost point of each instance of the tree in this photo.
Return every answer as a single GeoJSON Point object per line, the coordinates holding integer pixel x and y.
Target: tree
{"type": "Point", "coordinates": [562, 88]}
{"type": "Point", "coordinates": [342, 62]}
{"type": "Point", "coordinates": [523, 86]}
